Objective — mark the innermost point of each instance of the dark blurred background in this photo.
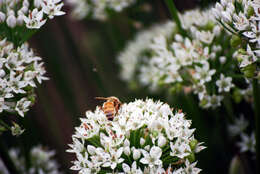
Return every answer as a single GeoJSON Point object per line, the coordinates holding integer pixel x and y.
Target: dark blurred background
{"type": "Point", "coordinates": [80, 58]}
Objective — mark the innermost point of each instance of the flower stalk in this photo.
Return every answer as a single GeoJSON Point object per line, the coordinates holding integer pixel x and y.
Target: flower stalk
{"type": "Point", "coordinates": [257, 116]}
{"type": "Point", "coordinates": [174, 13]}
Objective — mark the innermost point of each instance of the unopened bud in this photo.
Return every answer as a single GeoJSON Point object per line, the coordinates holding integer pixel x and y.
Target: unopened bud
{"type": "Point", "coordinates": [136, 154]}
{"type": "Point", "coordinates": [11, 21]}
{"type": "Point", "coordinates": [236, 166]}
{"type": "Point", "coordinates": [20, 20]}
{"type": "Point", "coordinates": [193, 144]}
{"type": "Point", "coordinates": [142, 141]}
{"type": "Point", "coordinates": [235, 41]}
{"type": "Point", "coordinates": [250, 11]}
{"type": "Point", "coordinates": [222, 59]}
{"type": "Point", "coordinates": [127, 150]}
{"type": "Point", "coordinates": [91, 150]}
{"type": "Point", "coordinates": [2, 73]}
{"type": "Point", "coordinates": [161, 141]}
{"type": "Point", "coordinates": [249, 70]}
{"type": "Point", "coordinates": [191, 157]}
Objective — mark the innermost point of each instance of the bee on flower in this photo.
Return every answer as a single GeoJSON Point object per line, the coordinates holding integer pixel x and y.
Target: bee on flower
{"type": "Point", "coordinates": [142, 133]}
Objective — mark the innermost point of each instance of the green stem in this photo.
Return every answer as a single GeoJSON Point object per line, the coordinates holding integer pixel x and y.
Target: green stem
{"type": "Point", "coordinates": [257, 120]}
{"type": "Point", "coordinates": [4, 124]}
{"type": "Point", "coordinates": [174, 13]}
{"type": "Point", "coordinates": [6, 159]}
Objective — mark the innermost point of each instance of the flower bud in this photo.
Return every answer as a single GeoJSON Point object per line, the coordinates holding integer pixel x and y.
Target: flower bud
{"type": "Point", "coordinates": [235, 41]}
{"type": "Point", "coordinates": [142, 141]}
{"type": "Point", "coordinates": [237, 96]}
{"type": "Point", "coordinates": [127, 150]}
{"type": "Point", "coordinates": [193, 144]}
{"type": "Point", "coordinates": [250, 11]}
{"type": "Point", "coordinates": [2, 17]}
{"type": "Point", "coordinates": [249, 70]}
{"type": "Point", "coordinates": [91, 150]}
{"type": "Point", "coordinates": [136, 154]}
{"type": "Point", "coordinates": [161, 141]}
{"type": "Point", "coordinates": [236, 166]}
{"type": "Point", "coordinates": [2, 73]}
{"type": "Point", "coordinates": [20, 20]}
{"type": "Point", "coordinates": [126, 143]}
{"type": "Point", "coordinates": [222, 59]}
{"type": "Point", "coordinates": [11, 21]}
{"type": "Point", "coordinates": [191, 157]}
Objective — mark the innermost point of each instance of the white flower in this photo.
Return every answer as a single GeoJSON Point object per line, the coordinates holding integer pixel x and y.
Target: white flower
{"type": "Point", "coordinates": [240, 124]}
{"type": "Point", "coordinates": [35, 19]}
{"type": "Point", "coordinates": [114, 158]}
{"type": "Point", "coordinates": [22, 106]}
{"type": "Point", "coordinates": [153, 157]}
{"type": "Point", "coordinates": [247, 143]}
{"type": "Point", "coordinates": [224, 83]}
{"type": "Point", "coordinates": [16, 130]}
{"type": "Point", "coordinates": [52, 8]}
{"type": "Point", "coordinates": [131, 170]}
{"type": "Point", "coordinates": [204, 73]}
{"type": "Point", "coordinates": [240, 21]}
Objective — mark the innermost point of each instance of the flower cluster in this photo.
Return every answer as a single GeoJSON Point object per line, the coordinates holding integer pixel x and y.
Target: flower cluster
{"type": "Point", "coordinates": [41, 161]}
{"type": "Point", "coordinates": [97, 9]}
{"type": "Point", "coordinates": [199, 61]}
{"type": "Point", "coordinates": [20, 71]}
{"type": "Point", "coordinates": [137, 50]}
{"type": "Point", "coordinates": [242, 19]}
{"type": "Point", "coordinates": [19, 17]}
{"type": "Point", "coordinates": [32, 14]}
{"type": "Point", "coordinates": [144, 137]}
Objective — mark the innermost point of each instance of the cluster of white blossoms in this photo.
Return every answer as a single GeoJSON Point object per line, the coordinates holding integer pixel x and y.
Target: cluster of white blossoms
{"type": "Point", "coordinates": [242, 19]}
{"type": "Point", "coordinates": [97, 9]}
{"type": "Point", "coordinates": [20, 71]}
{"type": "Point", "coordinates": [144, 137]}
{"type": "Point", "coordinates": [41, 161]}
{"type": "Point", "coordinates": [200, 61]}
{"type": "Point", "coordinates": [33, 14]}
{"type": "Point", "coordinates": [137, 50]}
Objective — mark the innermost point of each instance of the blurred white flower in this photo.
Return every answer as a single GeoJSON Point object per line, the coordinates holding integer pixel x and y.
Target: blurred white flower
{"type": "Point", "coordinates": [240, 124]}
{"type": "Point", "coordinates": [97, 8]}
{"type": "Point", "coordinates": [248, 143]}
{"type": "Point", "coordinates": [42, 161]}
{"type": "Point", "coordinates": [224, 83]}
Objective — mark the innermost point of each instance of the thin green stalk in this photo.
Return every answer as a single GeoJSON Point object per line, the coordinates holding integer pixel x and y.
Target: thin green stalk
{"type": "Point", "coordinates": [257, 118]}
{"type": "Point", "coordinates": [6, 159]}
{"type": "Point", "coordinates": [4, 124]}
{"type": "Point", "coordinates": [174, 13]}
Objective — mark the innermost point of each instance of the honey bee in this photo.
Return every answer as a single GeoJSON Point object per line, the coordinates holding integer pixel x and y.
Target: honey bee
{"type": "Point", "coordinates": [110, 107]}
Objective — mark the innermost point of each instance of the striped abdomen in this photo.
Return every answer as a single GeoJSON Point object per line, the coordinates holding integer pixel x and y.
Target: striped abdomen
{"type": "Point", "coordinates": [109, 110]}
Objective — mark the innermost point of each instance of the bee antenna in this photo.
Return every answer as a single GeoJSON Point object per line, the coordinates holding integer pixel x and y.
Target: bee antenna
{"type": "Point", "coordinates": [101, 98]}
